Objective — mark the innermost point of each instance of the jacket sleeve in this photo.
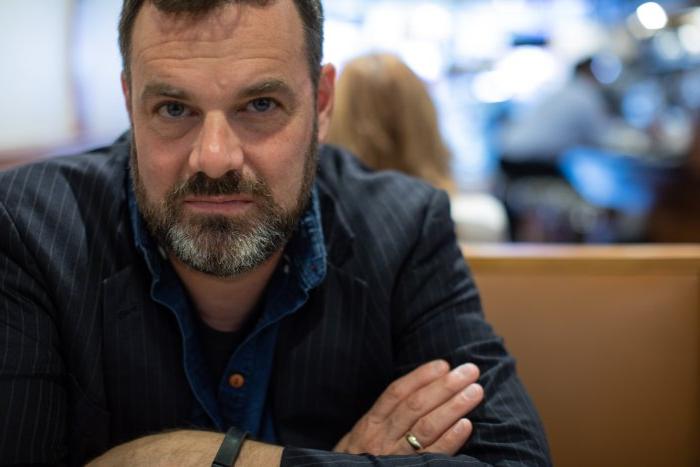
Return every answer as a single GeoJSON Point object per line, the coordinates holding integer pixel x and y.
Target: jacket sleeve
{"type": "Point", "coordinates": [437, 314]}
{"type": "Point", "coordinates": [32, 386]}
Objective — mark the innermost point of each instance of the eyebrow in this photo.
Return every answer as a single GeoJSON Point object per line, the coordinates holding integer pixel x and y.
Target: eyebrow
{"type": "Point", "coordinates": [273, 86]}
{"type": "Point", "coordinates": [162, 90]}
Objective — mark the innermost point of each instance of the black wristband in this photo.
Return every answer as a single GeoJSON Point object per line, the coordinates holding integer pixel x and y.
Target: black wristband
{"type": "Point", "coordinates": [230, 448]}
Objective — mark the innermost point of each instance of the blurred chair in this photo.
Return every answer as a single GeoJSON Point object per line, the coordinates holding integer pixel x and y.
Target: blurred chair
{"type": "Point", "coordinates": [607, 341]}
{"type": "Point", "coordinates": [385, 116]}
{"type": "Point", "coordinates": [676, 214]}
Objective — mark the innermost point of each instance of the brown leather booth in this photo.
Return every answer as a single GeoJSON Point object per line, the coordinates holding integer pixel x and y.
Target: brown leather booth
{"type": "Point", "coordinates": [607, 341]}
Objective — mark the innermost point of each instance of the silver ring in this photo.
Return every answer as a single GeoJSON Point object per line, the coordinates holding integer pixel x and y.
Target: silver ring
{"type": "Point", "coordinates": [413, 441]}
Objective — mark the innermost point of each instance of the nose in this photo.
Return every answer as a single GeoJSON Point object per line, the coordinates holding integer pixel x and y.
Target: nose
{"type": "Point", "coordinates": [217, 149]}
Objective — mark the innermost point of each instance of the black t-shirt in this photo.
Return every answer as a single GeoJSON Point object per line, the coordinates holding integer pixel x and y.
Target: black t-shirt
{"type": "Point", "coordinates": [218, 347]}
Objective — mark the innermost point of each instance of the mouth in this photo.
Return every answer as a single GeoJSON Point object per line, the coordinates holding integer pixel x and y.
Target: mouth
{"type": "Point", "coordinates": [230, 204]}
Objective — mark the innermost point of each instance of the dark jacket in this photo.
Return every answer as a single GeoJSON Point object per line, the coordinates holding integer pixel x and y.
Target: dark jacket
{"type": "Point", "coordinates": [89, 361]}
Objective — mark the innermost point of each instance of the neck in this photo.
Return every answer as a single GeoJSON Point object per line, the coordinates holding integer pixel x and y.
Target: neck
{"type": "Point", "coordinates": [224, 304]}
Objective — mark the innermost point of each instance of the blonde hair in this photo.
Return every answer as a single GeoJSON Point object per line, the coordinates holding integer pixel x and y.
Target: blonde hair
{"type": "Point", "coordinates": [385, 116]}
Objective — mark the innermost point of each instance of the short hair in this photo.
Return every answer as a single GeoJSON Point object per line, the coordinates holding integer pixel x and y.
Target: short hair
{"type": "Point", "coordinates": [310, 12]}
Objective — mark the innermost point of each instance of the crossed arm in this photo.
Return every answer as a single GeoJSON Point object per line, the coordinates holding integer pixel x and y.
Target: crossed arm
{"type": "Point", "coordinates": [430, 403]}
{"type": "Point", "coordinates": [34, 381]}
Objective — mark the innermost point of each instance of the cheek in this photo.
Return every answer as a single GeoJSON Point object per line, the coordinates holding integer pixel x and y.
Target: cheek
{"type": "Point", "coordinates": [284, 167]}
{"type": "Point", "coordinates": [280, 173]}
{"type": "Point", "coordinates": [162, 160]}
{"type": "Point", "coordinates": [159, 168]}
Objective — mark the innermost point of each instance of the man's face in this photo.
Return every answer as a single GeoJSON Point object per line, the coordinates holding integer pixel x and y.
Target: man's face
{"type": "Point", "coordinates": [225, 131]}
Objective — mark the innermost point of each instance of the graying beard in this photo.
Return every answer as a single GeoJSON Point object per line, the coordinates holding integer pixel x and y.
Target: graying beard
{"type": "Point", "coordinates": [228, 254]}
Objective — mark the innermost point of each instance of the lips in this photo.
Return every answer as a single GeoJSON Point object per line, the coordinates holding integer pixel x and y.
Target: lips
{"type": "Point", "coordinates": [219, 204]}
{"type": "Point", "coordinates": [219, 199]}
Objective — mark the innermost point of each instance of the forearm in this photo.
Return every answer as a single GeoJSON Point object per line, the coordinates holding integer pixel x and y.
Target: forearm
{"type": "Point", "coordinates": [184, 448]}
{"type": "Point", "coordinates": [255, 454]}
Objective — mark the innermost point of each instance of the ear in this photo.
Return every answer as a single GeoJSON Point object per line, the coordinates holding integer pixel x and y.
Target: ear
{"type": "Point", "coordinates": [324, 100]}
{"type": "Point", "coordinates": [126, 90]}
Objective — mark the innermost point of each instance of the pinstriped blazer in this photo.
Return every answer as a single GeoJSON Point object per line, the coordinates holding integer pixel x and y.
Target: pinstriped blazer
{"type": "Point", "coordinates": [88, 361]}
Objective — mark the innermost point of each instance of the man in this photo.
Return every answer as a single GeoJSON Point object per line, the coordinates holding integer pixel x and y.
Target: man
{"type": "Point", "coordinates": [198, 276]}
{"type": "Point", "coordinates": [576, 114]}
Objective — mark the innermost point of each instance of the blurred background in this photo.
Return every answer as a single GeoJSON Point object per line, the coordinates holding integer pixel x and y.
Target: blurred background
{"type": "Point", "coordinates": [580, 116]}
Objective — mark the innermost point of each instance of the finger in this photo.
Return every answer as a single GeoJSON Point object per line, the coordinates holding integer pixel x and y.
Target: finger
{"type": "Point", "coordinates": [404, 447]}
{"type": "Point", "coordinates": [453, 439]}
{"type": "Point", "coordinates": [405, 386]}
{"type": "Point", "coordinates": [431, 426]}
{"type": "Point", "coordinates": [430, 397]}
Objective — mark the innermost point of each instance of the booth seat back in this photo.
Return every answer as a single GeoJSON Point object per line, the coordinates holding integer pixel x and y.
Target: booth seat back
{"type": "Point", "coordinates": [607, 341]}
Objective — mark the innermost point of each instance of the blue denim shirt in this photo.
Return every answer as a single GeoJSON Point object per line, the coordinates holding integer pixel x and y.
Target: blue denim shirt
{"type": "Point", "coordinates": [302, 268]}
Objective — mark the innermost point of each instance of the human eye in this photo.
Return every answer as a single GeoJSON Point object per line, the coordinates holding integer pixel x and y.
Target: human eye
{"type": "Point", "coordinates": [173, 110]}
{"type": "Point", "coordinates": [261, 105]}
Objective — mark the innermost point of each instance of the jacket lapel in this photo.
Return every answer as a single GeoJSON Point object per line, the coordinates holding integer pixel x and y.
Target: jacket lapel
{"type": "Point", "coordinates": [320, 384]}
{"type": "Point", "coordinates": [145, 384]}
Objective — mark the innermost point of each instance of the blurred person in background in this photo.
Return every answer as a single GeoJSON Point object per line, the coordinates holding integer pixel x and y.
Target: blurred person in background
{"type": "Point", "coordinates": [385, 115]}
{"type": "Point", "coordinates": [575, 115]}
{"type": "Point", "coordinates": [531, 144]}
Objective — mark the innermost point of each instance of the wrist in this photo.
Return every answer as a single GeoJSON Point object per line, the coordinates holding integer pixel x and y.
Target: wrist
{"type": "Point", "coordinates": [230, 448]}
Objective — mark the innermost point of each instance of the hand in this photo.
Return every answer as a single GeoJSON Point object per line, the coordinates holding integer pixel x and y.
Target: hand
{"type": "Point", "coordinates": [428, 402]}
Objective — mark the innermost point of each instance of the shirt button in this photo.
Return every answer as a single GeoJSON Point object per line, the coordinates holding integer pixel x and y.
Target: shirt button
{"type": "Point", "coordinates": [236, 381]}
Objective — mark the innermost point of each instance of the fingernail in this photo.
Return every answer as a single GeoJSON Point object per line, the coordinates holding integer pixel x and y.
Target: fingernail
{"type": "Point", "coordinates": [466, 369]}
{"type": "Point", "coordinates": [473, 391]}
{"type": "Point", "coordinates": [439, 365]}
{"type": "Point", "coordinates": [459, 427]}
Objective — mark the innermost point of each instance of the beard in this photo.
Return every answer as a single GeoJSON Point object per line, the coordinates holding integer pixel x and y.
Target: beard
{"type": "Point", "coordinates": [215, 244]}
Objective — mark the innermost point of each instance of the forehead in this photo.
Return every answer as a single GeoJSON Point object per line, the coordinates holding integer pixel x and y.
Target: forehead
{"type": "Point", "coordinates": [234, 31]}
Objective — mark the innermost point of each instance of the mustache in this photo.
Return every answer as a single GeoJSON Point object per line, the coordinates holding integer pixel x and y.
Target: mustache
{"type": "Point", "coordinates": [231, 183]}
